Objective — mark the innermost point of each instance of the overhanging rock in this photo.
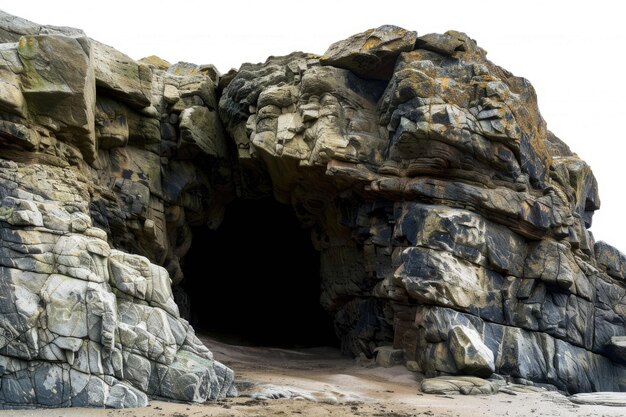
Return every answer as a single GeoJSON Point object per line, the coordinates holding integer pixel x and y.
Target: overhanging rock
{"type": "Point", "coordinates": [450, 223]}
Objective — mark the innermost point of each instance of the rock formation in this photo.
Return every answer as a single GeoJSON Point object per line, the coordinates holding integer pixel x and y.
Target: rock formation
{"type": "Point", "coordinates": [93, 180]}
{"type": "Point", "coordinates": [464, 219]}
{"type": "Point", "coordinates": [449, 221]}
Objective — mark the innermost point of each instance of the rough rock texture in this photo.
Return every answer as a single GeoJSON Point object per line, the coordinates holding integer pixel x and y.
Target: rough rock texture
{"type": "Point", "coordinates": [613, 399]}
{"type": "Point", "coordinates": [92, 178]}
{"type": "Point", "coordinates": [450, 221]}
{"type": "Point", "coordinates": [451, 224]}
{"type": "Point", "coordinates": [451, 385]}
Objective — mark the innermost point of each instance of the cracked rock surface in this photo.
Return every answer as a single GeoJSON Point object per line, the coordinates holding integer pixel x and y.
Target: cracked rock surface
{"type": "Point", "coordinates": [94, 190]}
{"type": "Point", "coordinates": [458, 230]}
{"type": "Point", "coordinates": [451, 224]}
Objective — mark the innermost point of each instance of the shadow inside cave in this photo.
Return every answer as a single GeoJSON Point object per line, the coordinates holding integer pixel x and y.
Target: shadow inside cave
{"type": "Point", "coordinates": [256, 279]}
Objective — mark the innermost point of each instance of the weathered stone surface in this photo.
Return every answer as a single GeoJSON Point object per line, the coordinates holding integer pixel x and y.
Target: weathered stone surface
{"type": "Point", "coordinates": [156, 61]}
{"type": "Point", "coordinates": [371, 54]}
{"type": "Point", "coordinates": [471, 355]}
{"type": "Point", "coordinates": [121, 76]}
{"type": "Point", "coordinates": [198, 132]}
{"type": "Point", "coordinates": [444, 44]}
{"type": "Point", "coordinates": [387, 356]}
{"type": "Point", "coordinates": [451, 225]}
{"type": "Point", "coordinates": [86, 318]}
{"type": "Point", "coordinates": [58, 88]}
{"type": "Point", "coordinates": [451, 385]}
{"type": "Point", "coordinates": [613, 399]}
{"type": "Point", "coordinates": [451, 196]}
{"type": "Point", "coordinates": [107, 319]}
{"type": "Point", "coordinates": [616, 349]}
{"type": "Point", "coordinates": [611, 260]}
{"type": "Point", "coordinates": [13, 27]}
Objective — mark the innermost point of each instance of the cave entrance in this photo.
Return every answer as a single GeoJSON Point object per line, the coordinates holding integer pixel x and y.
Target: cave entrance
{"type": "Point", "coordinates": [256, 279]}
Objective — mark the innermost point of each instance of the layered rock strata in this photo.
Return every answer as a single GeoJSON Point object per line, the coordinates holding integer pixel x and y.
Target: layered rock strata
{"type": "Point", "coordinates": [450, 222]}
{"type": "Point", "coordinates": [458, 226]}
{"type": "Point", "coordinates": [99, 168]}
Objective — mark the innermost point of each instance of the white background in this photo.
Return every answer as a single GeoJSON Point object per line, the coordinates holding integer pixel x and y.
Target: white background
{"type": "Point", "coordinates": [571, 51]}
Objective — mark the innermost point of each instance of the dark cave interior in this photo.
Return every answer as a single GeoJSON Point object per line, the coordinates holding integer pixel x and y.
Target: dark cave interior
{"type": "Point", "coordinates": [270, 294]}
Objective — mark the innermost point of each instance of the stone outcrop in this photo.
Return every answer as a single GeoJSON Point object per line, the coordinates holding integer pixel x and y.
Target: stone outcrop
{"type": "Point", "coordinates": [451, 224]}
{"type": "Point", "coordinates": [458, 226]}
{"type": "Point", "coordinates": [92, 180]}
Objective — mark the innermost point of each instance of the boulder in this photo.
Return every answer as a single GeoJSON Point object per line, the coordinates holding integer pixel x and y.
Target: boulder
{"type": "Point", "coordinates": [454, 385]}
{"type": "Point", "coordinates": [387, 356]}
{"type": "Point", "coordinates": [370, 54]}
{"type": "Point", "coordinates": [471, 355]}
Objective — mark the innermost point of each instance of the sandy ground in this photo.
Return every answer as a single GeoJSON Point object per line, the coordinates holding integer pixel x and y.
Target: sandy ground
{"type": "Point", "coordinates": [320, 382]}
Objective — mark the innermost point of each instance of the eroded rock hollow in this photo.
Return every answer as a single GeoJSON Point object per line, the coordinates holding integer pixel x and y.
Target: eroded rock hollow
{"type": "Point", "coordinates": [439, 216]}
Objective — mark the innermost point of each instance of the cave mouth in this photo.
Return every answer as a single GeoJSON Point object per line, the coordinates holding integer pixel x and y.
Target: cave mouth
{"type": "Point", "coordinates": [255, 280]}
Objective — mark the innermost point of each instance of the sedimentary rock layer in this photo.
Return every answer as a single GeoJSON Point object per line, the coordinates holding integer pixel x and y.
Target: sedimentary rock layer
{"type": "Point", "coordinates": [450, 222]}
{"type": "Point", "coordinates": [459, 223]}
{"type": "Point", "coordinates": [93, 180]}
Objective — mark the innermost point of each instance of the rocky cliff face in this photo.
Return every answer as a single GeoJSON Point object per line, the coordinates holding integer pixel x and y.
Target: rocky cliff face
{"type": "Point", "coordinates": [464, 219]}
{"type": "Point", "coordinates": [105, 162]}
{"type": "Point", "coordinates": [449, 221]}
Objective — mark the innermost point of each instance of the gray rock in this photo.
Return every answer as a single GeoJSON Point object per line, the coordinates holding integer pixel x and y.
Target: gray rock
{"type": "Point", "coordinates": [451, 385]}
{"type": "Point", "coordinates": [88, 390]}
{"type": "Point", "coordinates": [198, 133]}
{"type": "Point", "coordinates": [123, 77]}
{"type": "Point", "coordinates": [616, 349]}
{"type": "Point", "coordinates": [470, 354]}
{"type": "Point", "coordinates": [123, 396]}
{"type": "Point", "coordinates": [611, 260]}
{"type": "Point", "coordinates": [612, 399]}
{"type": "Point", "coordinates": [197, 385]}
{"type": "Point", "coordinates": [450, 223]}
{"type": "Point", "coordinates": [445, 44]}
{"type": "Point", "coordinates": [387, 356]}
{"type": "Point", "coordinates": [59, 87]}
{"type": "Point", "coordinates": [13, 27]}
{"type": "Point", "coordinates": [84, 324]}
{"type": "Point", "coordinates": [371, 54]}
{"type": "Point", "coordinates": [480, 240]}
